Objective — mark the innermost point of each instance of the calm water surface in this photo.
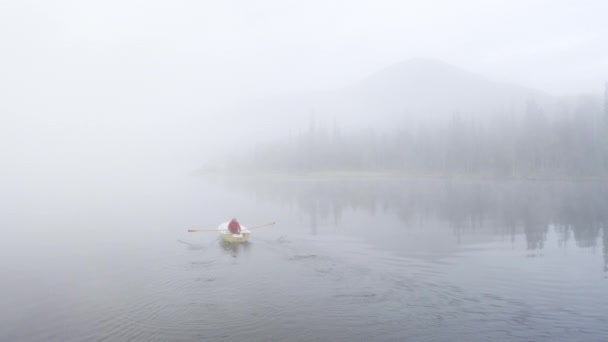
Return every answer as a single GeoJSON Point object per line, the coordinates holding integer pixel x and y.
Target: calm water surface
{"type": "Point", "coordinates": [347, 261]}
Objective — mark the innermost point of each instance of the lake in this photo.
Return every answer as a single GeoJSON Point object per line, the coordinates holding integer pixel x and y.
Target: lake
{"type": "Point", "coordinates": [349, 260]}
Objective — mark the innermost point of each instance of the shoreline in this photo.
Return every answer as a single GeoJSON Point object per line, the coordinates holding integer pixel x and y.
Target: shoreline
{"type": "Point", "coordinates": [390, 175]}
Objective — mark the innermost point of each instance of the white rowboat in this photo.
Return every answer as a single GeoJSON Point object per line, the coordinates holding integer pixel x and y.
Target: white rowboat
{"type": "Point", "coordinates": [228, 236]}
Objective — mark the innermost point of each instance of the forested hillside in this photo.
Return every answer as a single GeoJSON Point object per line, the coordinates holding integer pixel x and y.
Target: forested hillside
{"type": "Point", "coordinates": [570, 141]}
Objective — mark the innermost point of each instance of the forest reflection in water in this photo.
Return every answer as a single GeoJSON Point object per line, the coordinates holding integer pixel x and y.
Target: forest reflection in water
{"type": "Point", "coordinates": [573, 210]}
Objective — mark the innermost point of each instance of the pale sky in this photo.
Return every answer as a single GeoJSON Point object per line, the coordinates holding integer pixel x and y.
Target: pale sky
{"type": "Point", "coordinates": [259, 47]}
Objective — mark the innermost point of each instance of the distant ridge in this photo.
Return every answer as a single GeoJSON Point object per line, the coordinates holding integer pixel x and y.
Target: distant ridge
{"type": "Point", "coordinates": [433, 89]}
{"type": "Point", "coordinates": [414, 91]}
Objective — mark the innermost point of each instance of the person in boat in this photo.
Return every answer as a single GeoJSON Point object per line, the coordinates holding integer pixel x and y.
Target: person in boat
{"type": "Point", "coordinates": [234, 227]}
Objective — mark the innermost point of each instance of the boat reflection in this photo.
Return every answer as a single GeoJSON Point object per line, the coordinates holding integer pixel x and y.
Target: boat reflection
{"type": "Point", "coordinates": [234, 248]}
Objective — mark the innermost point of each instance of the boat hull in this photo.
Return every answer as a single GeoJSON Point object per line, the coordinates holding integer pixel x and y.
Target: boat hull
{"type": "Point", "coordinates": [233, 238]}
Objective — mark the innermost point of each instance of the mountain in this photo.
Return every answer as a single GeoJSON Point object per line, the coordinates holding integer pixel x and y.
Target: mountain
{"type": "Point", "coordinates": [431, 89]}
{"type": "Point", "coordinates": [427, 118]}
{"type": "Point", "coordinates": [412, 92]}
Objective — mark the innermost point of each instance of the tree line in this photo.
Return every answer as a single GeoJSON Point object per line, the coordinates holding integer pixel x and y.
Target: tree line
{"type": "Point", "coordinates": [569, 140]}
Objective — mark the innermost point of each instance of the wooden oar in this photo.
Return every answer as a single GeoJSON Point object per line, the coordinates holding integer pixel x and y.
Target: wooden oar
{"type": "Point", "coordinates": [264, 225]}
{"type": "Point", "coordinates": [201, 230]}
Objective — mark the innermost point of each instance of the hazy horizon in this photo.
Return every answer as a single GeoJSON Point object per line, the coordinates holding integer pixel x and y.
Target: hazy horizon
{"type": "Point", "coordinates": [124, 82]}
{"type": "Point", "coordinates": [145, 86]}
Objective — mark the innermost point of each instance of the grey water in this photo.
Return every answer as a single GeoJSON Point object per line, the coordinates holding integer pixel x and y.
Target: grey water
{"type": "Point", "coordinates": [349, 260]}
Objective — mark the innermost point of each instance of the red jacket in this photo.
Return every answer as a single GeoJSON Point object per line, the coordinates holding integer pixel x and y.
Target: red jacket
{"type": "Point", "coordinates": [234, 227]}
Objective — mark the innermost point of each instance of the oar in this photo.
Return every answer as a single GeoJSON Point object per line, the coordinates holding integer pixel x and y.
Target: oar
{"type": "Point", "coordinates": [264, 225]}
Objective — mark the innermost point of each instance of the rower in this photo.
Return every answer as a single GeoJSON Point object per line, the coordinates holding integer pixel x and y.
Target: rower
{"type": "Point", "coordinates": [234, 227]}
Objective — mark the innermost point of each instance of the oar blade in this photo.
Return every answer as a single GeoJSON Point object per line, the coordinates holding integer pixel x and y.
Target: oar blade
{"type": "Point", "coordinates": [264, 225]}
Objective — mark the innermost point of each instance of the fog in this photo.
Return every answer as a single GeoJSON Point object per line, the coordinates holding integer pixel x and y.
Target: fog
{"type": "Point", "coordinates": [436, 169]}
{"type": "Point", "coordinates": [155, 83]}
